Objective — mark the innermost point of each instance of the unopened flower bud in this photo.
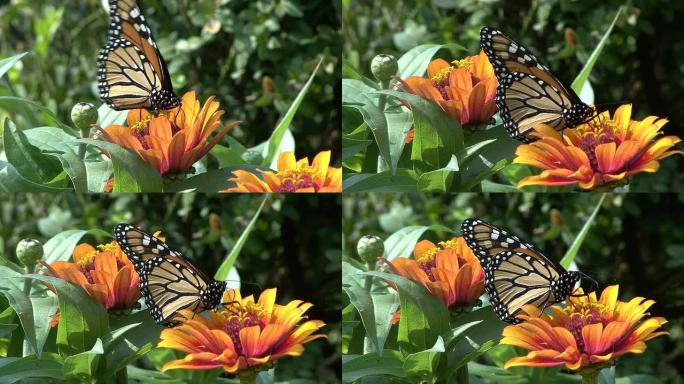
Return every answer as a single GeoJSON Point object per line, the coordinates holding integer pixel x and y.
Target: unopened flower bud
{"type": "Point", "coordinates": [370, 248]}
{"type": "Point", "coordinates": [384, 67]}
{"type": "Point", "coordinates": [29, 251]}
{"type": "Point", "coordinates": [252, 157]}
{"type": "Point", "coordinates": [84, 115]}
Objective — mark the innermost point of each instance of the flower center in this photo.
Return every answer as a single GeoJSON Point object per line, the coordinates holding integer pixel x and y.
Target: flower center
{"type": "Point", "coordinates": [292, 180]}
{"type": "Point", "coordinates": [239, 316]}
{"type": "Point", "coordinates": [141, 126]}
{"type": "Point", "coordinates": [581, 315]}
{"type": "Point", "coordinates": [87, 260]}
{"type": "Point", "coordinates": [448, 244]}
{"type": "Point", "coordinates": [596, 133]}
{"type": "Point", "coordinates": [427, 257]}
{"type": "Point", "coordinates": [466, 63]}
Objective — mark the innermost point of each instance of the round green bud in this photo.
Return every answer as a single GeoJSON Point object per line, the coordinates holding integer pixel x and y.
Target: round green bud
{"type": "Point", "coordinates": [252, 157]}
{"type": "Point", "coordinates": [84, 115]}
{"type": "Point", "coordinates": [370, 248]}
{"type": "Point", "coordinates": [384, 67]}
{"type": "Point", "coordinates": [29, 251]}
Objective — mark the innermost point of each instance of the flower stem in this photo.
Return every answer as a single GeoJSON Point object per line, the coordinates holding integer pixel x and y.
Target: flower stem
{"type": "Point", "coordinates": [590, 376]}
{"type": "Point", "coordinates": [462, 374]}
{"type": "Point", "coordinates": [247, 377]}
{"type": "Point", "coordinates": [82, 147]}
{"type": "Point", "coordinates": [27, 291]}
{"type": "Point", "coordinates": [382, 100]}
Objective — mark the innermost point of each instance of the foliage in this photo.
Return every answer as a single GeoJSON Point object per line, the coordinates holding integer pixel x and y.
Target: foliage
{"type": "Point", "coordinates": [275, 250]}
{"type": "Point", "coordinates": [567, 36]}
{"type": "Point", "coordinates": [256, 56]}
{"type": "Point", "coordinates": [629, 242]}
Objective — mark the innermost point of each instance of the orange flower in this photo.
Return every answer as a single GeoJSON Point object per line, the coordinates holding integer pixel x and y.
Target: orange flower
{"type": "Point", "coordinates": [466, 91]}
{"type": "Point", "coordinates": [450, 271]}
{"type": "Point", "coordinates": [244, 336]}
{"type": "Point", "coordinates": [104, 273]}
{"type": "Point", "coordinates": [585, 334]}
{"type": "Point", "coordinates": [172, 141]}
{"type": "Point", "coordinates": [292, 176]}
{"type": "Point", "coordinates": [603, 152]}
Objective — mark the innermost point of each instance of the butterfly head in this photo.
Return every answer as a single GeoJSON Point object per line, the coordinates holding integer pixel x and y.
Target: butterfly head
{"type": "Point", "coordinates": [563, 287]}
{"type": "Point", "coordinates": [164, 99]}
{"type": "Point", "coordinates": [577, 114]}
{"type": "Point", "coordinates": [211, 296]}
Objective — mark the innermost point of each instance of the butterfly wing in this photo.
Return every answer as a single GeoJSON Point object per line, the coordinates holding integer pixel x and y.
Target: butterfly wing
{"type": "Point", "coordinates": [487, 240]}
{"type": "Point", "coordinates": [169, 282]}
{"type": "Point", "coordinates": [132, 72]}
{"type": "Point", "coordinates": [528, 93]}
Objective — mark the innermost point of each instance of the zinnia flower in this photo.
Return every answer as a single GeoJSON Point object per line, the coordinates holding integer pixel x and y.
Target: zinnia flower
{"type": "Point", "coordinates": [601, 153]}
{"type": "Point", "coordinates": [450, 271]}
{"type": "Point", "coordinates": [291, 176]}
{"type": "Point", "coordinates": [584, 335]}
{"type": "Point", "coordinates": [244, 336]}
{"type": "Point", "coordinates": [105, 273]}
{"type": "Point", "coordinates": [172, 141]}
{"type": "Point", "coordinates": [466, 91]}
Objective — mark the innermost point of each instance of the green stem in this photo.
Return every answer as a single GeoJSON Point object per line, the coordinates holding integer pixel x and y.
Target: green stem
{"type": "Point", "coordinates": [26, 350]}
{"type": "Point", "coordinates": [82, 147]}
{"type": "Point", "coordinates": [590, 376]}
{"type": "Point", "coordinates": [462, 374]}
{"type": "Point", "coordinates": [382, 100]}
{"type": "Point", "coordinates": [248, 377]}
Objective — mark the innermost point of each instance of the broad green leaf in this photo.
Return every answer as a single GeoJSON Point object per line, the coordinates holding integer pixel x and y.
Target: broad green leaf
{"type": "Point", "coordinates": [26, 158]}
{"type": "Point", "coordinates": [423, 316]}
{"type": "Point", "coordinates": [12, 287]}
{"type": "Point", "coordinates": [436, 136]}
{"type": "Point", "coordinates": [222, 272]}
{"type": "Point", "coordinates": [61, 246]}
{"type": "Point", "coordinates": [438, 180]}
{"type": "Point", "coordinates": [8, 63]}
{"type": "Point", "coordinates": [6, 329]}
{"type": "Point", "coordinates": [348, 70]}
{"type": "Point", "coordinates": [82, 320]}
{"type": "Point", "coordinates": [82, 366]}
{"type": "Point", "coordinates": [99, 172]}
{"type": "Point", "coordinates": [402, 242]}
{"type": "Point", "coordinates": [151, 377]}
{"type": "Point", "coordinates": [229, 156]}
{"type": "Point", "coordinates": [578, 83]}
{"type": "Point", "coordinates": [212, 181]}
{"type": "Point", "coordinates": [490, 186]}
{"type": "Point", "coordinates": [415, 61]}
{"type": "Point", "coordinates": [403, 181]}
{"type": "Point", "coordinates": [131, 358]}
{"type": "Point", "coordinates": [14, 103]}
{"type": "Point", "coordinates": [58, 143]}
{"type": "Point", "coordinates": [569, 256]}
{"type": "Point", "coordinates": [108, 116]}
{"type": "Point", "coordinates": [488, 328]}
{"type": "Point", "coordinates": [350, 147]}
{"type": "Point", "coordinates": [284, 124]}
{"type": "Point", "coordinates": [131, 173]}
{"type": "Point", "coordinates": [422, 365]}
{"type": "Point", "coordinates": [12, 181]}
{"type": "Point", "coordinates": [387, 124]}
{"type": "Point", "coordinates": [356, 367]}
{"type": "Point", "coordinates": [13, 369]}
{"type": "Point", "coordinates": [471, 356]}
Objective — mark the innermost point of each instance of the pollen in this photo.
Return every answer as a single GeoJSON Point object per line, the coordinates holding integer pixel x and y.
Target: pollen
{"type": "Point", "coordinates": [87, 259]}
{"type": "Point", "coordinates": [442, 75]}
{"type": "Point", "coordinates": [466, 63]}
{"type": "Point", "coordinates": [295, 179]}
{"type": "Point", "coordinates": [141, 126]}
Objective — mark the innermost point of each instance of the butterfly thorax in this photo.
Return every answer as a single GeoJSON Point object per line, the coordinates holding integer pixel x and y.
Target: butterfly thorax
{"type": "Point", "coordinates": [163, 99]}
{"type": "Point", "coordinates": [211, 296]}
{"type": "Point", "coordinates": [564, 286]}
{"type": "Point", "coordinates": [577, 114]}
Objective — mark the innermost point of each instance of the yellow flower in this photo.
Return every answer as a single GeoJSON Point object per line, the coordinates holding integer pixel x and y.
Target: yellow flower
{"type": "Point", "coordinates": [291, 176]}
{"type": "Point", "coordinates": [587, 332]}
{"type": "Point", "coordinates": [172, 141]}
{"type": "Point", "coordinates": [466, 91]}
{"type": "Point", "coordinates": [603, 152]}
{"type": "Point", "coordinates": [245, 335]}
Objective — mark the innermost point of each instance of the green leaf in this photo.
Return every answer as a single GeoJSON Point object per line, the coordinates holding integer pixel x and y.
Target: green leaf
{"type": "Point", "coordinates": [437, 136]}
{"type": "Point", "coordinates": [375, 309]}
{"type": "Point", "coordinates": [402, 242]}
{"type": "Point", "coordinates": [388, 126]}
{"type": "Point", "coordinates": [578, 83]}
{"type": "Point", "coordinates": [131, 173]}
{"type": "Point", "coordinates": [58, 143]}
{"type": "Point", "coordinates": [98, 173]}
{"type": "Point", "coordinates": [151, 377]}
{"type": "Point", "coordinates": [229, 156]}
{"type": "Point", "coordinates": [403, 181]}
{"type": "Point", "coordinates": [25, 157]}
{"type": "Point", "coordinates": [8, 63]}
{"type": "Point", "coordinates": [6, 329]}
{"type": "Point", "coordinates": [107, 116]}
{"type": "Point", "coordinates": [357, 367]}
{"type": "Point", "coordinates": [12, 181]}
{"type": "Point", "coordinates": [438, 180]}
{"type": "Point", "coordinates": [11, 286]}
{"type": "Point", "coordinates": [284, 124]}
{"type": "Point", "coordinates": [13, 369]}
{"type": "Point", "coordinates": [222, 272]}
{"type": "Point", "coordinates": [140, 352]}
{"type": "Point", "coordinates": [82, 320]}
{"type": "Point", "coordinates": [415, 61]}
{"type": "Point", "coordinates": [82, 366]}
{"type": "Point", "coordinates": [569, 256]}
{"type": "Point", "coordinates": [61, 246]}
{"type": "Point", "coordinates": [212, 181]}
{"type": "Point", "coordinates": [14, 103]}
{"type": "Point", "coordinates": [423, 316]}
{"type": "Point", "coordinates": [421, 366]}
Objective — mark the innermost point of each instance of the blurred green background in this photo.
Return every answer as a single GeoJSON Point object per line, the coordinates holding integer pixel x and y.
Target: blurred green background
{"type": "Point", "coordinates": [642, 64]}
{"type": "Point", "coordinates": [255, 56]}
{"type": "Point", "coordinates": [632, 243]}
{"type": "Point", "coordinates": [292, 247]}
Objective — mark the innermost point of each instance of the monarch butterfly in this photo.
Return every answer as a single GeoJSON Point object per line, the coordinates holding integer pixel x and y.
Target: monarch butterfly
{"type": "Point", "coordinates": [516, 272]}
{"type": "Point", "coordinates": [168, 280]}
{"type": "Point", "coordinates": [528, 93]}
{"type": "Point", "coordinates": [131, 71]}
